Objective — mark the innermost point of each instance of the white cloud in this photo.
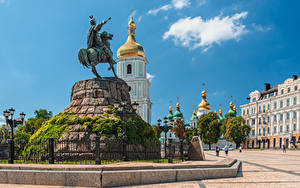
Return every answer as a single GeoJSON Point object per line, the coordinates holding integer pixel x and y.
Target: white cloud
{"type": "Point", "coordinates": [150, 77]}
{"type": "Point", "coordinates": [2, 1]}
{"type": "Point", "coordinates": [176, 4]}
{"type": "Point", "coordinates": [196, 32]}
{"type": "Point", "coordinates": [180, 4]}
{"type": "Point", "coordinates": [155, 11]}
{"type": "Point", "coordinates": [261, 28]}
{"type": "Point", "coordinates": [2, 120]}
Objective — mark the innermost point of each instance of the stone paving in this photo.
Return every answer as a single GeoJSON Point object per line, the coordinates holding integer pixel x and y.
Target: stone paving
{"type": "Point", "coordinates": [265, 168]}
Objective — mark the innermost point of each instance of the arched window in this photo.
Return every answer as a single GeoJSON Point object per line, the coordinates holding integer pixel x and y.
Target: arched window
{"type": "Point", "coordinates": [129, 69]}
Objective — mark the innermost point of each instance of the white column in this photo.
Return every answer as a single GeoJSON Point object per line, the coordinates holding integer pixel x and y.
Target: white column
{"type": "Point", "coordinates": [272, 125]}
{"type": "Point", "coordinates": [298, 120]}
{"type": "Point", "coordinates": [277, 120]}
{"type": "Point", "coordinates": [284, 122]}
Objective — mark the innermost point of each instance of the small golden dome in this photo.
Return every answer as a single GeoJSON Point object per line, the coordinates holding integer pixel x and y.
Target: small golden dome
{"type": "Point", "coordinates": [131, 47]}
{"type": "Point", "coordinates": [194, 113]}
{"type": "Point", "coordinates": [234, 108]}
{"type": "Point", "coordinates": [171, 110]}
{"type": "Point", "coordinates": [220, 112]}
{"type": "Point", "coordinates": [231, 105]}
{"type": "Point", "coordinates": [204, 105]}
{"type": "Point", "coordinates": [178, 106]}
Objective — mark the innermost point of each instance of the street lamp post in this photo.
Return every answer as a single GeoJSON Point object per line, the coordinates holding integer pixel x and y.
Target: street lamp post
{"type": "Point", "coordinates": [121, 107]}
{"type": "Point", "coordinates": [13, 123]}
{"type": "Point", "coordinates": [165, 128]}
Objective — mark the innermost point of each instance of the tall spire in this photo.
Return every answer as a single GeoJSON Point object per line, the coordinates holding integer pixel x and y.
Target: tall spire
{"type": "Point", "coordinates": [178, 105]}
{"type": "Point", "coordinates": [220, 111]}
{"type": "Point", "coordinates": [231, 104]}
{"type": "Point", "coordinates": [131, 25]}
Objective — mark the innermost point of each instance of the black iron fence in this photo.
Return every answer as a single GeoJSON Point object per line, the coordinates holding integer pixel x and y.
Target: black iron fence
{"type": "Point", "coordinates": [97, 151]}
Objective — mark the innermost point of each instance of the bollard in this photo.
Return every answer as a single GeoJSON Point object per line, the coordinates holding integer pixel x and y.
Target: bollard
{"type": "Point", "coordinates": [51, 150]}
{"type": "Point", "coordinates": [97, 151]}
{"type": "Point", "coordinates": [11, 151]}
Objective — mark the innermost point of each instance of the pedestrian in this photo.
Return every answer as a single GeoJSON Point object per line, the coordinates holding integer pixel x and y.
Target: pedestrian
{"type": "Point", "coordinates": [226, 150]}
{"type": "Point", "coordinates": [240, 149]}
{"type": "Point", "coordinates": [217, 150]}
{"type": "Point", "coordinates": [283, 148]}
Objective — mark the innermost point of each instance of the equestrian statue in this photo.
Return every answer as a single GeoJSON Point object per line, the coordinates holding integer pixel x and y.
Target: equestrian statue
{"type": "Point", "coordinates": [98, 48]}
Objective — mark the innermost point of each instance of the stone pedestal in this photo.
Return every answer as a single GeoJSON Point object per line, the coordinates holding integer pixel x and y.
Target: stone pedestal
{"type": "Point", "coordinates": [196, 152]}
{"type": "Point", "coordinates": [93, 96]}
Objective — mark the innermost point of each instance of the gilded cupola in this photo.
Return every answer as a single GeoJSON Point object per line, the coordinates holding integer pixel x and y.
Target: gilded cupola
{"type": "Point", "coordinates": [204, 105]}
{"type": "Point", "coordinates": [178, 114]}
{"type": "Point", "coordinates": [131, 47]}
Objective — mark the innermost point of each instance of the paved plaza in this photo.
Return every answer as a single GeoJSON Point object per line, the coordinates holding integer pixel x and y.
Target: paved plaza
{"type": "Point", "coordinates": [265, 168]}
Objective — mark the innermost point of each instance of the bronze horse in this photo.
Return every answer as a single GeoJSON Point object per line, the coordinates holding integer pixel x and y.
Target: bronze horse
{"type": "Point", "coordinates": [98, 50]}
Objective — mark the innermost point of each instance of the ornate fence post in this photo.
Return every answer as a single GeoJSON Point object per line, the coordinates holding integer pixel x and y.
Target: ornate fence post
{"type": "Point", "coordinates": [170, 154]}
{"type": "Point", "coordinates": [181, 150]}
{"type": "Point", "coordinates": [51, 150]}
{"type": "Point", "coordinates": [11, 153]}
{"type": "Point", "coordinates": [97, 151]}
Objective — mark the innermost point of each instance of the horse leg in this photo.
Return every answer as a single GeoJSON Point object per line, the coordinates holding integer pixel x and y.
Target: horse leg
{"type": "Point", "coordinates": [95, 72]}
{"type": "Point", "coordinates": [111, 63]}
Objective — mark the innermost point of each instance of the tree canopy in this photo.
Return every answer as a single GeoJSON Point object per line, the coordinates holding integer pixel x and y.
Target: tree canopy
{"type": "Point", "coordinates": [209, 128]}
{"type": "Point", "coordinates": [236, 130]}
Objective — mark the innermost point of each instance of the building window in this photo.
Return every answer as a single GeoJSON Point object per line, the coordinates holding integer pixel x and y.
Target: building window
{"type": "Point", "coordinates": [287, 102]}
{"type": "Point", "coordinates": [259, 132]}
{"type": "Point", "coordinates": [264, 108]}
{"type": "Point", "coordinates": [253, 99]}
{"type": "Point", "coordinates": [264, 120]}
{"type": "Point", "coordinates": [287, 115]}
{"type": "Point", "coordinates": [259, 109]}
{"type": "Point", "coordinates": [275, 118]}
{"type": "Point", "coordinates": [275, 105]}
{"type": "Point", "coordinates": [296, 87]}
{"type": "Point", "coordinates": [295, 127]}
{"type": "Point", "coordinates": [295, 100]}
{"type": "Point", "coordinates": [281, 104]}
{"type": "Point", "coordinates": [275, 130]}
{"type": "Point", "coordinates": [129, 69]}
{"type": "Point", "coordinates": [289, 90]}
{"type": "Point", "coordinates": [281, 129]}
{"type": "Point", "coordinates": [247, 111]}
{"type": "Point", "coordinates": [243, 112]}
{"type": "Point", "coordinates": [269, 107]}
{"type": "Point", "coordinates": [264, 131]}
{"type": "Point", "coordinates": [253, 132]}
{"type": "Point", "coordinates": [253, 121]}
{"type": "Point", "coordinates": [268, 118]}
{"type": "Point", "coordinates": [282, 92]}
{"type": "Point", "coordinates": [287, 128]}
{"type": "Point", "coordinates": [281, 117]}
{"type": "Point", "coordinates": [259, 120]}
{"type": "Point", "coordinates": [295, 115]}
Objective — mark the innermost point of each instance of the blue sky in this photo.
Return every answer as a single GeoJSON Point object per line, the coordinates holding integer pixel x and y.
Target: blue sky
{"type": "Point", "coordinates": [233, 46]}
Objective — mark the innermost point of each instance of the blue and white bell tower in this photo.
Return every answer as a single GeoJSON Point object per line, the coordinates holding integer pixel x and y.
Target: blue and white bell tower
{"type": "Point", "coordinates": [132, 68]}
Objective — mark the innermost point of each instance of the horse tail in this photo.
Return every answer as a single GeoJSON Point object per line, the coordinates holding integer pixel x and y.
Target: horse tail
{"type": "Point", "coordinates": [83, 57]}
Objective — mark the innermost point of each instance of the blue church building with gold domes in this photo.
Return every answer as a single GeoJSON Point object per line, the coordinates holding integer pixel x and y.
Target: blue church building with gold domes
{"type": "Point", "coordinates": [132, 68]}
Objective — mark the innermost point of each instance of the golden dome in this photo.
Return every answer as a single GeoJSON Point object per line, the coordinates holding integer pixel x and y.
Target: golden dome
{"type": "Point", "coordinates": [234, 108]}
{"type": "Point", "coordinates": [171, 110]}
{"type": "Point", "coordinates": [131, 47]}
{"type": "Point", "coordinates": [220, 111]}
{"type": "Point", "coordinates": [204, 105]}
{"type": "Point", "coordinates": [194, 113]}
{"type": "Point", "coordinates": [231, 105]}
{"type": "Point", "coordinates": [177, 106]}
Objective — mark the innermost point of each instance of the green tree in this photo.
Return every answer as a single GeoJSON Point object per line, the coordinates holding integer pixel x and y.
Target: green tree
{"type": "Point", "coordinates": [236, 130]}
{"type": "Point", "coordinates": [42, 114]}
{"type": "Point", "coordinates": [190, 133]}
{"type": "Point", "coordinates": [4, 133]}
{"type": "Point", "coordinates": [209, 128]}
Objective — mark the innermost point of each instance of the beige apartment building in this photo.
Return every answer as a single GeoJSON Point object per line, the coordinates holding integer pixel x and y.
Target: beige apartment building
{"type": "Point", "coordinates": [274, 115]}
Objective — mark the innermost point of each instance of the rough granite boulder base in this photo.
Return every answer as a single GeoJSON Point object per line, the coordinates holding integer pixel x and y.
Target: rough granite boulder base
{"type": "Point", "coordinates": [93, 96]}
{"type": "Point", "coordinates": [195, 152]}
